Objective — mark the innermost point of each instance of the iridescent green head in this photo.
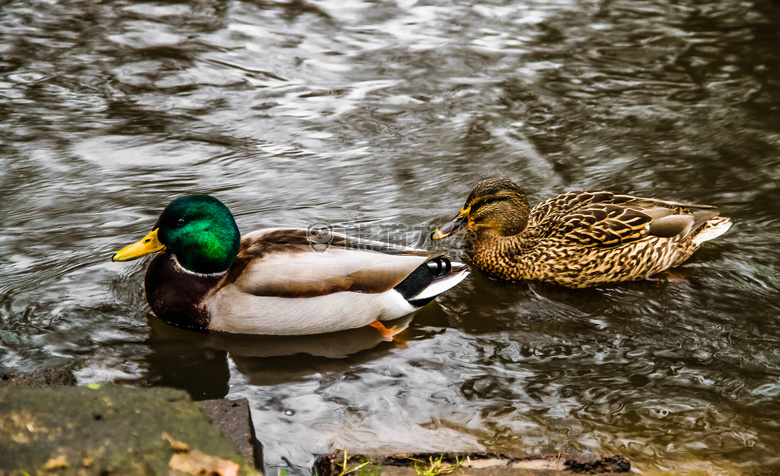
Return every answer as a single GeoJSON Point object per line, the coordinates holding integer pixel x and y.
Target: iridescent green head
{"type": "Point", "coordinates": [198, 229]}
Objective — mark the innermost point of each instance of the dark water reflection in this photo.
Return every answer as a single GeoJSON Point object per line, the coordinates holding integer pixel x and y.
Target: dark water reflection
{"type": "Point", "coordinates": [379, 117]}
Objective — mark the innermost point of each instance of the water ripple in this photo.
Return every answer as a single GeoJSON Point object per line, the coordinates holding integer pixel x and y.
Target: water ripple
{"type": "Point", "coordinates": [378, 118]}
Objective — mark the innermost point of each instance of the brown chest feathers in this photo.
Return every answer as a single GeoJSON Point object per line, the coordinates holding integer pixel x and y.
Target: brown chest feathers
{"type": "Point", "coordinates": [175, 295]}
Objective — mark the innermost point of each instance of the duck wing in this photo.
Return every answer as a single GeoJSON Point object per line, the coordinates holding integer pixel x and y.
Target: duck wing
{"type": "Point", "coordinates": [294, 263]}
{"type": "Point", "coordinates": [605, 219]}
{"type": "Point", "coordinates": [566, 203]}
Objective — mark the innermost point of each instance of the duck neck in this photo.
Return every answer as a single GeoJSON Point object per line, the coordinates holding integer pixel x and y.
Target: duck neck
{"type": "Point", "coordinates": [497, 254]}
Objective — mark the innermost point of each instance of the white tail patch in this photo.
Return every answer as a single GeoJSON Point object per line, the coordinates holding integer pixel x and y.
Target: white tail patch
{"type": "Point", "coordinates": [713, 229]}
{"type": "Point", "coordinates": [440, 285]}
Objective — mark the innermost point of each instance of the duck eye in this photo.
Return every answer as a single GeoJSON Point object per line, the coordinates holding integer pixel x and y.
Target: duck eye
{"type": "Point", "coordinates": [180, 222]}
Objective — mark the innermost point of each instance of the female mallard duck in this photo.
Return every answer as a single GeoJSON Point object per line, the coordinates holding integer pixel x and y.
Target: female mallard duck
{"type": "Point", "coordinates": [578, 239]}
{"type": "Point", "coordinates": [279, 281]}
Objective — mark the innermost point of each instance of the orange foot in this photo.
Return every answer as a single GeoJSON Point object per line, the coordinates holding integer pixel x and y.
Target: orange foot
{"type": "Point", "coordinates": [387, 334]}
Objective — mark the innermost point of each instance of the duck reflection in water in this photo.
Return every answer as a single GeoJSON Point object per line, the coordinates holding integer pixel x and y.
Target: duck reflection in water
{"type": "Point", "coordinates": [198, 361]}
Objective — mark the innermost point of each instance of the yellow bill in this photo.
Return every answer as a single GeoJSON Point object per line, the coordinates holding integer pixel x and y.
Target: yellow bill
{"type": "Point", "coordinates": [149, 244]}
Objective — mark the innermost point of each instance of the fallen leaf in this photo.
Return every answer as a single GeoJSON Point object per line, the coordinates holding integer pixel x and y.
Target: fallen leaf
{"type": "Point", "coordinates": [199, 463]}
{"type": "Point", "coordinates": [54, 464]}
{"type": "Point", "coordinates": [176, 445]}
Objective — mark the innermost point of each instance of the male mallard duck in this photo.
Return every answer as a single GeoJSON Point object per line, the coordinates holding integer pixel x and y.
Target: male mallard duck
{"type": "Point", "coordinates": [578, 239]}
{"type": "Point", "coordinates": [279, 281]}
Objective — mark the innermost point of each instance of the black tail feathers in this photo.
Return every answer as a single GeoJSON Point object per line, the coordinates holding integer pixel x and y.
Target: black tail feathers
{"type": "Point", "coordinates": [422, 277]}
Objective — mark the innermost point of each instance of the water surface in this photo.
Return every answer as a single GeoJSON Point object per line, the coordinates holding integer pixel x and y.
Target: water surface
{"type": "Point", "coordinates": [378, 118]}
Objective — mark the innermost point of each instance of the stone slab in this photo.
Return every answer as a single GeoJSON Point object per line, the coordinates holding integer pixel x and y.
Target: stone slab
{"type": "Point", "coordinates": [109, 430]}
{"type": "Point", "coordinates": [234, 420]}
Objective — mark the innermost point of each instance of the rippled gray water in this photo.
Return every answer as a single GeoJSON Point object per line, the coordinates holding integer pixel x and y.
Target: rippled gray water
{"type": "Point", "coordinates": [378, 117]}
